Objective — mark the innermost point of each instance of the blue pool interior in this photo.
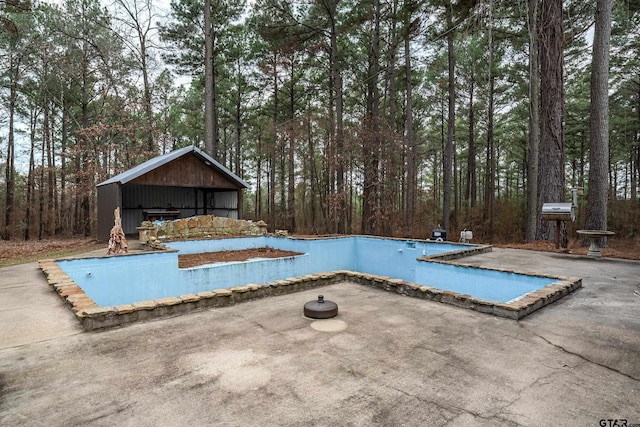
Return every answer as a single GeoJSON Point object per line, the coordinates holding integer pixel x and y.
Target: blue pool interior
{"type": "Point", "coordinates": [129, 279]}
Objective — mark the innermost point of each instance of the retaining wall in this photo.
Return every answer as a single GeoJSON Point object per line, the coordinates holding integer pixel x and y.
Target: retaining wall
{"type": "Point", "coordinates": [198, 227]}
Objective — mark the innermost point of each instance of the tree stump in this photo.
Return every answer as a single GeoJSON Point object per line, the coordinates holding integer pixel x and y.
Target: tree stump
{"type": "Point", "coordinates": [117, 241]}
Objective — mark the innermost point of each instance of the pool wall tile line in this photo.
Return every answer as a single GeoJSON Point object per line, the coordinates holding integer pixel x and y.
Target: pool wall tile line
{"type": "Point", "coordinates": [94, 317]}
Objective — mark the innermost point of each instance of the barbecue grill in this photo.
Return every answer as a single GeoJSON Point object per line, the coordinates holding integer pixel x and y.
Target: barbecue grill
{"type": "Point", "coordinates": [559, 212]}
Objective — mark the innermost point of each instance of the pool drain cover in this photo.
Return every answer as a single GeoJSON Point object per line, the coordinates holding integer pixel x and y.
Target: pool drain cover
{"type": "Point", "coordinates": [321, 309]}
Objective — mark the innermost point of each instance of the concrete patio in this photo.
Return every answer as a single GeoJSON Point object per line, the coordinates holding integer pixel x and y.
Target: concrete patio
{"type": "Point", "coordinates": [385, 360]}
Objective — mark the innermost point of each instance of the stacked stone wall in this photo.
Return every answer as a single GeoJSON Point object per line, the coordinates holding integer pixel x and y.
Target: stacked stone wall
{"type": "Point", "coordinates": [198, 227]}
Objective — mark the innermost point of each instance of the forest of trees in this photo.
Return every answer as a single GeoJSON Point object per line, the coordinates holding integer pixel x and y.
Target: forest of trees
{"type": "Point", "coordinates": [385, 117]}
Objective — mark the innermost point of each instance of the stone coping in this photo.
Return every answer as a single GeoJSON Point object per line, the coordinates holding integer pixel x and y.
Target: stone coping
{"type": "Point", "coordinates": [95, 317]}
{"type": "Point", "coordinates": [145, 250]}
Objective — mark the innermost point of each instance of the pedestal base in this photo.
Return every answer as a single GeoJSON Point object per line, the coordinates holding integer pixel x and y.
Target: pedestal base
{"type": "Point", "coordinates": [594, 236]}
{"type": "Point", "coordinates": [594, 249]}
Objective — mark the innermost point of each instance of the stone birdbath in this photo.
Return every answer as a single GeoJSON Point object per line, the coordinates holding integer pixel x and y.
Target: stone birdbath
{"type": "Point", "coordinates": [594, 236]}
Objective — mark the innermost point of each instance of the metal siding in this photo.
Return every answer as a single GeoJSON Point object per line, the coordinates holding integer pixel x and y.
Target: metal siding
{"type": "Point", "coordinates": [226, 213]}
{"type": "Point", "coordinates": [186, 213]}
{"type": "Point", "coordinates": [151, 196]}
{"type": "Point", "coordinates": [225, 204]}
{"type": "Point", "coordinates": [225, 200]}
{"type": "Point", "coordinates": [136, 198]}
{"type": "Point", "coordinates": [131, 220]}
{"type": "Point", "coordinates": [108, 201]}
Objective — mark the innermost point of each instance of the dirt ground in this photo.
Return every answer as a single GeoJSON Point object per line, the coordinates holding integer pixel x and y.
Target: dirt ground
{"type": "Point", "coordinates": [192, 260]}
{"type": "Point", "coordinates": [617, 248]}
{"type": "Point", "coordinates": [18, 252]}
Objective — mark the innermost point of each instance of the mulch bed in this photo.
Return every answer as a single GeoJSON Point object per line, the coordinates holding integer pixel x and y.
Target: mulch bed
{"type": "Point", "coordinates": [193, 260]}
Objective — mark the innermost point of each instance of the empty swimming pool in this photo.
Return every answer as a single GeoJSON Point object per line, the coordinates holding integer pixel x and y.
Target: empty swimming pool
{"type": "Point", "coordinates": [110, 291]}
{"type": "Point", "coordinates": [156, 275]}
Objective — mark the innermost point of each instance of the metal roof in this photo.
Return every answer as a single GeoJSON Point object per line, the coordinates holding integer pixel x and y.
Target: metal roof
{"type": "Point", "coordinates": [156, 162]}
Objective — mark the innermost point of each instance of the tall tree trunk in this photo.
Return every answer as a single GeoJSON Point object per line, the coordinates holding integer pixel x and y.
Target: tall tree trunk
{"type": "Point", "coordinates": [272, 189]}
{"type": "Point", "coordinates": [151, 144]}
{"type": "Point", "coordinates": [282, 157]}
{"type": "Point", "coordinates": [337, 91]}
{"type": "Point", "coordinates": [330, 162]}
{"type": "Point", "coordinates": [448, 151]}
{"type": "Point", "coordinates": [30, 177]}
{"type": "Point", "coordinates": [53, 177]}
{"type": "Point", "coordinates": [551, 166]}
{"type": "Point", "coordinates": [471, 192]}
{"type": "Point", "coordinates": [596, 218]}
{"type": "Point", "coordinates": [10, 167]}
{"type": "Point", "coordinates": [258, 199]}
{"type": "Point", "coordinates": [410, 204]}
{"type": "Point", "coordinates": [635, 154]}
{"type": "Point", "coordinates": [49, 220]}
{"type": "Point", "coordinates": [389, 105]}
{"type": "Point", "coordinates": [210, 141]}
{"type": "Point", "coordinates": [272, 149]}
{"type": "Point", "coordinates": [237, 165]}
{"type": "Point", "coordinates": [291, 183]}
{"type": "Point", "coordinates": [148, 108]}
{"type": "Point", "coordinates": [41, 199]}
{"type": "Point", "coordinates": [63, 165]}
{"type": "Point", "coordinates": [313, 179]}
{"type": "Point", "coordinates": [371, 144]}
{"type": "Point", "coordinates": [491, 162]}
{"type": "Point", "coordinates": [83, 172]}
{"type": "Point", "coordinates": [533, 145]}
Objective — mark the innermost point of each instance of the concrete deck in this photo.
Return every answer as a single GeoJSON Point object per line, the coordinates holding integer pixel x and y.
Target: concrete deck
{"type": "Point", "coordinates": [385, 360]}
